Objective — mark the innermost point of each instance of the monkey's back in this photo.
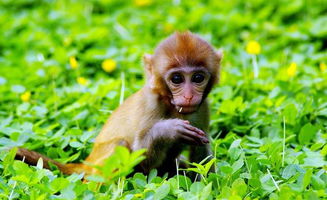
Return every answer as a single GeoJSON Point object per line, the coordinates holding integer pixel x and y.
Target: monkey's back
{"type": "Point", "coordinates": [133, 118]}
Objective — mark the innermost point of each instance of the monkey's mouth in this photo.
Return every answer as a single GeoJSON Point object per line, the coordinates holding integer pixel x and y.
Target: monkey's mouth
{"type": "Point", "coordinates": [186, 109]}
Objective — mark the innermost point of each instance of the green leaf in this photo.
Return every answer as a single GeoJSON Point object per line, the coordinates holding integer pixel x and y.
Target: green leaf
{"type": "Point", "coordinates": [225, 92]}
{"type": "Point", "coordinates": [22, 168]}
{"type": "Point", "coordinates": [317, 183]}
{"type": "Point", "coordinates": [152, 175]}
{"type": "Point", "coordinates": [75, 177]}
{"type": "Point", "coordinates": [291, 170]}
{"type": "Point", "coordinates": [290, 113]}
{"type": "Point", "coordinates": [322, 112]}
{"type": "Point", "coordinates": [187, 196]}
{"type": "Point", "coordinates": [228, 107]}
{"type": "Point", "coordinates": [75, 144]}
{"type": "Point", "coordinates": [197, 187]}
{"type": "Point", "coordinates": [162, 191]}
{"type": "Point", "coordinates": [8, 160]}
{"type": "Point", "coordinates": [319, 26]}
{"type": "Point", "coordinates": [306, 178]}
{"type": "Point", "coordinates": [22, 178]}
{"type": "Point", "coordinates": [226, 169]}
{"type": "Point", "coordinates": [95, 178]}
{"type": "Point", "coordinates": [184, 182]}
{"type": "Point", "coordinates": [139, 180]}
{"type": "Point", "coordinates": [208, 166]}
{"type": "Point", "coordinates": [206, 192]}
{"type": "Point", "coordinates": [307, 133]}
{"type": "Point", "coordinates": [239, 187]}
{"type": "Point", "coordinates": [238, 164]}
{"type": "Point", "coordinates": [58, 184]}
{"type": "Point", "coordinates": [314, 159]}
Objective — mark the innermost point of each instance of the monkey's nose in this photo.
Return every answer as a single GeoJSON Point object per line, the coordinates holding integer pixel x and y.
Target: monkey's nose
{"type": "Point", "coordinates": [188, 97]}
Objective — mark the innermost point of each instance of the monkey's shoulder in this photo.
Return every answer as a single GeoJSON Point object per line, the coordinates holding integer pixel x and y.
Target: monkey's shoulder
{"type": "Point", "coordinates": [136, 115]}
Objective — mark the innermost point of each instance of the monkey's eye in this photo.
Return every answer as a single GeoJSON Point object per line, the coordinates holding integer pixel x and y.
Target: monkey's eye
{"type": "Point", "coordinates": [177, 79]}
{"type": "Point", "coordinates": [197, 78]}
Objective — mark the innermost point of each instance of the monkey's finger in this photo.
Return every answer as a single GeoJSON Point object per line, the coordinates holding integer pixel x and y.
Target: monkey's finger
{"type": "Point", "coordinates": [195, 135]}
{"type": "Point", "coordinates": [190, 140]}
{"type": "Point", "coordinates": [192, 128]}
{"type": "Point", "coordinates": [199, 131]}
{"type": "Point", "coordinates": [205, 140]}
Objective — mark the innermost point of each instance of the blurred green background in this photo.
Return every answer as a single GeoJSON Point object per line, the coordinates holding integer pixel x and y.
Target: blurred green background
{"type": "Point", "coordinates": [66, 65]}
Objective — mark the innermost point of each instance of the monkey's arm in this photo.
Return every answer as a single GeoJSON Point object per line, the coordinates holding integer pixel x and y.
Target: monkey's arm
{"type": "Point", "coordinates": [163, 135]}
{"type": "Point", "coordinates": [199, 153]}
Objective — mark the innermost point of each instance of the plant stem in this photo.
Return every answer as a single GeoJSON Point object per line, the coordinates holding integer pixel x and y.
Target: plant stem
{"type": "Point", "coordinates": [255, 66]}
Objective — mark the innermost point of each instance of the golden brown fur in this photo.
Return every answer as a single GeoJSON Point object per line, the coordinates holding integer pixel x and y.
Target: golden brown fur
{"type": "Point", "coordinates": [132, 123]}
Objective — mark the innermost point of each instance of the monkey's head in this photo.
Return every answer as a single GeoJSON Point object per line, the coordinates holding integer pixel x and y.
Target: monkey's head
{"type": "Point", "coordinates": [183, 70]}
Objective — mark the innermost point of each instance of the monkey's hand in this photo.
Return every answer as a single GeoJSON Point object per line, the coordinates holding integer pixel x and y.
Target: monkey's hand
{"type": "Point", "coordinates": [164, 132]}
{"type": "Point", "coordinates": [184, 131]}
{"type": "Point", "coordinates": [162, 135]}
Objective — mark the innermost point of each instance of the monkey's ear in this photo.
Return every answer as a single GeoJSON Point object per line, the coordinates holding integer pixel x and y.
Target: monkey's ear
{"type": "Point", "coordinates": [148, 62]}
{"type": "Point", "coordinates": [147, 59]}
{"type": "Point", "coordinates": [219, 53]}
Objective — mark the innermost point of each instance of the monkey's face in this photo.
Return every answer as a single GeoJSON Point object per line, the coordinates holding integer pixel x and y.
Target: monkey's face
{"type": "Point", "coordinates": [187, 85]}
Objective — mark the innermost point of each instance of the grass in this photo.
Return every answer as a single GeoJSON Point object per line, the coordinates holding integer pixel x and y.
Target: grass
{"type": "Point", "coordinates": [66, 65]}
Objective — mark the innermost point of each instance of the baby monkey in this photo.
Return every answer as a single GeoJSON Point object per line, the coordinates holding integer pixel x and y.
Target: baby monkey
{"type": "Point", "coordinates": [167, 115]}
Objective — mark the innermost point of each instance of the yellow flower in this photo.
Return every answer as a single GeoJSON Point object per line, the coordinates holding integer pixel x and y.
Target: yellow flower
{"type": "Point", "coordinates": [253, 47]}
{"type": "Point", "coordinates": [291, 70]}
{"type": "Point", "coordinates": [322, 66]}
{"type": "Point", "coordinates": [142, 3]}
{"type": "Point", "coordinates": [82, 81]}
{"type": "Point", "coordinates": [26, 96]}
{"type": "Point", "coordinates": [73, 62]}
{"type": "Point", "coordinates": [109, 65]}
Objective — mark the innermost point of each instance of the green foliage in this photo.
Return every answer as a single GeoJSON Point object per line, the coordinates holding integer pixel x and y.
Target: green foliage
{"type": "Point", "coordinates": [120, 164]}
{"type": "Point", "coordinates": [66, 65]}
{"type": "Point", "coordinates": [202, 168]}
